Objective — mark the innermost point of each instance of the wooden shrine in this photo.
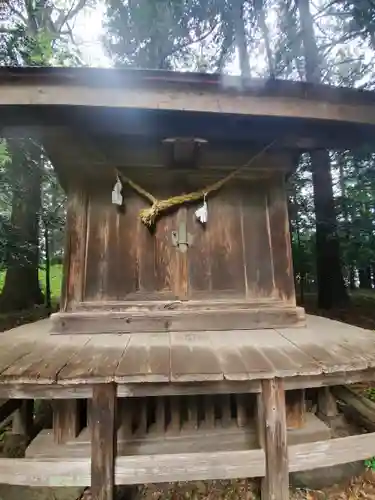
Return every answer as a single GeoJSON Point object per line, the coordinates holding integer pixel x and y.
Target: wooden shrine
{"type": "Point", "coordinates": [179, 352]}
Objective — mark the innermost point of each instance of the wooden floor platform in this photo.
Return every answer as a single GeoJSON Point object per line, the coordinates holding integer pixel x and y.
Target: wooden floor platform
{"type": "Point", "coordinates": [32, 355]}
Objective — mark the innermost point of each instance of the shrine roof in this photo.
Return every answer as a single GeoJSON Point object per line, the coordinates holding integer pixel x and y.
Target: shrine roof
{"type": "Point", "coordinates": [163, 102]}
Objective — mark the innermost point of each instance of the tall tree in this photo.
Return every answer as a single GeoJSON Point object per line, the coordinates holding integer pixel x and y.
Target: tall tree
{"type": "Point", "coordinates": [331, 286]}
{"type": "Point", "coordinates": [35, 33]}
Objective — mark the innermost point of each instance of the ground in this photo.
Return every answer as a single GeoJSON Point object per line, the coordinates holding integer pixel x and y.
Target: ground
{"type": "Point", "coordinates": [361, 312]}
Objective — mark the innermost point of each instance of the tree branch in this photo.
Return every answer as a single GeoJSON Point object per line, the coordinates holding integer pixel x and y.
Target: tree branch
{"type": "Point", "coordinates": [64, 18]}
{"type": "Point", "coordinates": [16, 12]}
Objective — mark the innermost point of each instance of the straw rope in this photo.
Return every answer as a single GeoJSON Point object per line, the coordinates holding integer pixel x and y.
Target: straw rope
{"type": "Point", "coordinates": [149, 215]}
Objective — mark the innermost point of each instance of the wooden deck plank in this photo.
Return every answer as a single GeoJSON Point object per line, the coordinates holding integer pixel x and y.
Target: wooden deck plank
{"type": "Point", "coordinates": [358, 341]}
{"type": "Point", "coordinates": [328, 352]}
{"type": "Point", "coordinates": [193, 358]}
{"type": "Point", "coordinates": [97, 361]}
{"type": "Point", "coordinates": [286, 358]}
{"type": "Point", "coordinates": [146, 359]}
{"type": "Point", "coordinates": [238, 360]}
{"type": "Point", "coordinates": [12, 353]}
{"type": "Point", "coordinates": [44, 361]}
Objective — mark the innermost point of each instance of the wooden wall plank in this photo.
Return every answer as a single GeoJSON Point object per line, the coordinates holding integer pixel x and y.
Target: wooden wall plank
{"type": "Point", "coordinates": [277, 209]}
{"type": "Point", "coordinates": [103, 442]}
{"type": "Point", "coordinates": [257, 242]}
{"type": "Point", "coordinates": [74, 264]}
{"type": "Point", "coordinates": [225, 240]}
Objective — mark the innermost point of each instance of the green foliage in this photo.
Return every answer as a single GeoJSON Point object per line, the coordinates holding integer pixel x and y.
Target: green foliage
{"type": "Point", "coordinates": [370, 393]}
{"type": "Point", "coordinates": [370, 463]}
{"type": "Point", "coordinates": [4, 154]}
{"type": "Point", "coordinates": [56, 280]}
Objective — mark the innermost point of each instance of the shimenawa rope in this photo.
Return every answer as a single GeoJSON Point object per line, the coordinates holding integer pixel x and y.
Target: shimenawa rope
{"type": "Point", "coordinates": [149, 215]}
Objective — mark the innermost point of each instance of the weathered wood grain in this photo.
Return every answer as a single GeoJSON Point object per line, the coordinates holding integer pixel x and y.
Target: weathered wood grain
{"type": "Point", "coordinates": [347, 107]}
{"type": "Point", "coordinates": [257, 243]}
{"type": "Point", "coordinates": [45, 360]}
{"type": "Point", "coordinates": [193, 358]}
{"type": "Point", "coordinates": [276, 482]}
{"type": "Point", "coordinates": [100, 322]}
{"type": "Point", "coordinates": [277, 210]}
{"type": "Point", "coordinates": [74, 259]}
{"type": "Point", "coordinates": [327, 404]}
{"type": "Point", "coordinates": [295, 409]}
{"type": "Point", "coordinates": [66, 419]}
{"type": "Point", "coordinates": [328, 453]}
{"type": "Point", "coordinates": [97, 362]}
{"type": "Point", "coordinates": [103, 442]}
{"type": "Point", "coordinates": [146, 359]}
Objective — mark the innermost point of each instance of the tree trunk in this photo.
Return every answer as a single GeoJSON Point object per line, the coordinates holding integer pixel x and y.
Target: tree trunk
{"type": "Point", "coordinates": [21, 288]}
{"type": "Point", "coordinates": [331, 286]}
{"type": "Point", "coordinates": [240, 37]}
{"type": "Point", "coordinates": [365, 279]}
{"type": "Point", "coordinates": [259, 6]}
{"type": "Point", "coordinates": [352, 283]}
{"type": "Point", "coordinates": [48, 267]}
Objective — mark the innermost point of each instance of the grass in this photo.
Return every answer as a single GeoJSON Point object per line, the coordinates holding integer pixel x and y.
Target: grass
{"type": "Point", "coordinates": [56, 277]}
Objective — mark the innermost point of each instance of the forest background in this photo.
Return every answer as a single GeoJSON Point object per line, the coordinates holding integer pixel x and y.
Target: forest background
{"type": "Point", "coordinates": [331, 194]}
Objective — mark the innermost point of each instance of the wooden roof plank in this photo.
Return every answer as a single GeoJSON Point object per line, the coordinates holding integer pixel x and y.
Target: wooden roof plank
{"type": "Point", "coordinates": [146, 359]}
{"type": "Point", "coordinates": [193, 358]}
{"type": "Point", "coordinates": [238, 359]}
{"type": "Point", "coordinates": [287, 359]}
{"type": "Point", "coordinates": [96, 361]}
{"type": "Point", "coordinates": [44, 361]}
{"type": "Point", "coordinates": [358, 341]}
{"type": "Point", "coordinates": [331, 356]}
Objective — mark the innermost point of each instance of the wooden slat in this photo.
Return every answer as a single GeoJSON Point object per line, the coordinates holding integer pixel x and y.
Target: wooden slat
{"type": "Point", "coordinates": [97, 361]}
{"type": "Point", "coordinates": [267, 352]}
{"type": "Point", "coordinates": [241, 409]}
{"type": "Point", "coordinates": [192, 466]}
{"type": "Point", "coordinates": [257, 250]}
{"type": "Point", "coordinates": [276, 482]}
{"type": "Point", "coordinates": [193, 358]}
{"type": "Point", "coordinates": [295, 409]}
{"type": "Point", "coordinates": [277, 208]}
{"type": "Point", "coordinates": [74, 265]}
{"type": "Point", "coordinates": [66, 419]}
{"type": "Point", "coordinates": [11, 353]}
{"type": "Point", "coordinates": [237, 358]}
{"type": "Point", "coordinates": [328, 453]}
{"type": "Point", "coordinates": [103, 442]}
{"type": "Point", "coordinates": [146, 359]}
{"type": "Point", "coordinates": [330, 355]}
{"type": "Point", "coordinates": [359, 342]}
{"type": "Point", "coordinates": [45, 360]}
{"type": "Point", "coordinates": [327, 405]}
{"type": "Point", "coordinates": [225, 240]}
{"type": "Point", "coordinates": [23, 419]}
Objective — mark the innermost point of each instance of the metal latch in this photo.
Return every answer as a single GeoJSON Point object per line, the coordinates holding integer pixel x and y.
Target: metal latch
{"type": "Point", "coordinates": [181, 238]}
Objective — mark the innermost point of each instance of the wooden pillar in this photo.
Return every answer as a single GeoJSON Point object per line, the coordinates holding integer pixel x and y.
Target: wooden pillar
{"type": "Point", "coordinates": [295, 409]}
{"type": "Point", "coordinates": [327, 405]}
{"type": "Point", "coordinates": [273, 438]}
{"type": "Point", "coordinates": [66, 419]}
{"type": "Point", "coordinates": [103, 441]}
{"type": "Point", "coordinates": [23, 419]}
